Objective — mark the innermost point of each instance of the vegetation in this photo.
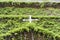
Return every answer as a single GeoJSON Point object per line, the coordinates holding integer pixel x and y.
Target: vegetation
{"type": "Point", "coordinates": [29, 4]}
{"type": "Point", "coordinates": [46, 25]}
{"type": "Point", "coordinates": [11, 24]}
{"type": "Point", "coordinates": [30, 11]}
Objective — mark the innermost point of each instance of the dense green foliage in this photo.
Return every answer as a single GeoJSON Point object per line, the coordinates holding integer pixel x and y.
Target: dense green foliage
{"type": "Point", "coordinates": [29, 11]}
{"type": "Point", "coordinates": [50, 25]}
{"type": "Point", "coordinates": [11, 21]}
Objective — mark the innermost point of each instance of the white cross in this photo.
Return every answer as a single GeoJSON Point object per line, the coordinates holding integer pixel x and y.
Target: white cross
{"type": "Point", "coordinates": [30, 19]}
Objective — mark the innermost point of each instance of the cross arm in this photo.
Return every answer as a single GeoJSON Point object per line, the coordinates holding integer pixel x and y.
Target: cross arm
{"type": "Point", "coordinates": [34, 19]}
{"type": "Point", "coordinates": [25, 19]}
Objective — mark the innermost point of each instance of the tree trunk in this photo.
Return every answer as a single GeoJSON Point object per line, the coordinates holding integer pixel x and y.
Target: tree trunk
{"type": "Point", "coordinates": [25, 36]}
{"type": "Point", "coordinates": [21, 36]}
{"type": "Point", "coordinates": [32, 35]}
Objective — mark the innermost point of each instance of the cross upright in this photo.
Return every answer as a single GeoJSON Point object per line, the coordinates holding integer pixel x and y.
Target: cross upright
{"type": "Point", "coordinates": [30, 19]}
